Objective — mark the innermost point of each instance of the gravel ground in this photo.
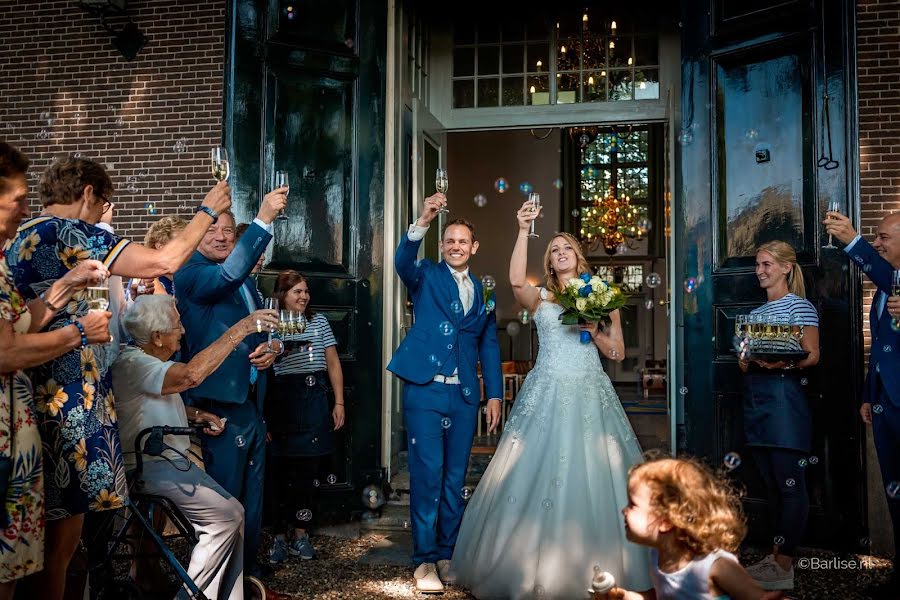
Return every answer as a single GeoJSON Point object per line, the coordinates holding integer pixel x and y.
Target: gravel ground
{"type": "Point", "coordinates": [339, 573]}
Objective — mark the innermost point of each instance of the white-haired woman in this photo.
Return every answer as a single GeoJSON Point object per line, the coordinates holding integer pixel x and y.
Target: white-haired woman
{"type": "Point", "coordinates": [147, 386]}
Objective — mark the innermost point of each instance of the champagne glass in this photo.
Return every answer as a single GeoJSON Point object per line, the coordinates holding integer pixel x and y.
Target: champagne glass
{"type": "Point", "coordinates": [270, 304]}
{"type": "Point", "coordinates": [535, 200]}
{"type": "Point", "coordinates": [833, 206]}
{"type": "Point", "coordinates": [219, 159]}
{"type": "Point", "coordinates": [97, 295]}
{"type": "Point", "coordinates": [895, 291]}
{"type": "Point", "coordinates": [300, 323]}
{"type": "Point", "coordinates": [441, 184]}
{"type": "Point", "coordinates": [281, 180]}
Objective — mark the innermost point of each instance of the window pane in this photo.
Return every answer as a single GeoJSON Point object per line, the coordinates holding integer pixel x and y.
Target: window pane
{"type": "Point", "coordinates": [597, 151]}
{"type": "Point", "coordinates": [463, 62]}
{"type": "Point", "coordinates": [488, 60]}
{"type": "Point", "coordinates": [633, 183]}
{"type": "Point", "coordinates": [488, 92]}
{"type": "Point", "coordinates": [538, 53]}
{"type": "Point", "coordinates": [593, 56]}
{"type": "Point", "coordinates": [620, 85]}
{"type": "Point", "coordinates": [594, 183]}
{"type": "Point", "coordinates": [633, 147]}
{"type": "Point", "coordinates": [646, 51]}
{"type": "Point", "coordinates": [595, 86]}
{"type": "Point", "coordinates": [464, 32]}
{"type": "Point", "coordinates": [538, 28]}
{"type": "Point", "coordinates": [567, 88]}
{"type": "Point", "coordinates": [620, 52]}
{"type": "Point", "coordinates": [538, 90]}
{"type": "Point", "coordinates": [646, 84]}
{"type": "Point", "coordinates": [513, 58]}
{"type": "Point", "coordinates": [513, 89]}
{"type": "Point", "coordinates": [567, 55]}
{"type": "Point", "coordinates": [513, 31]}
{"type": "Point", "coordinates": [464, 93]}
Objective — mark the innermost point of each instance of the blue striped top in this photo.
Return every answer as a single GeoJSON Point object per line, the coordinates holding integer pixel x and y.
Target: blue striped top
{"type": "Point", "coordinates": [305, 352]}
{"type": "Point", "coordinates": [800, 311]}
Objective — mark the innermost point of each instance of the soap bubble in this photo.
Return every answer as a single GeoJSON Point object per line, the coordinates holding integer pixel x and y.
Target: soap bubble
{"type": "Point", "coordinates": [310, 380]}
{"type": "Point", "coordinates": [813, 460]}
{"type": "Point", "coordinates": [466, 493]}
{"type": "Point", "coordinates": [524, 316]}
{"type": "Point", "coordinates": [621, 248]}
{"type": "Point", "coordinates": [877, 409]}
{"type": "Point", "coordinates": [501, 185]}
{"type": "Point", "coordinates": [802, 463]}
{"type": "Point", "coordinates": [576, 213]}
{"type": "Point", "coordinates": [751, 134]}
{"type": "Point", "coordinates": [685, 137]}
{"type": "Point", "coordinates": [467, 391]}
{"type": "Point", "coordinates": [432, 358]}
{"type": "Point", "coordinates": [331, 479]}
{"type": "Point", "coordinates": [488, 282]}
{"type": "Point", "coordinates": [43, 134]}
{"type": "Point", "coordinates": [683, 391]}
{"type": "Point", "coordinates": [446, 423]}
{"type": "Point", "coordinates": [456, 306]}
{"type": "Point", "coordinates": [446, 328]}
{"type": "Point", "coordinates": [240, 442]}
{"type": "Point", "coordinates": [644, 224]}
{"type": "Point", "coordinates": [547, 504]}
{"type": "Point", "coordinates": [557, 482]}
{"type": "Point", "coordinates": [511, 500]}
{"type": "Point", "coordinates": [316, 483]}
{"type": "Point", "coordinates": [180, 146]}
{"type": "Point", "coordinates": [779, 540]}
{"type": "Point", "coordinates": [648, 304]}
{"type": "Point", "coordinates": [732, 460]}
{"type": "Point", "coordinates": [480, 200]}
{"type": "Point", "coordinates": [526, 188]}
{"type": "Point", "coordinates": [790, 482]}
{"type": "Point", "coordinates": [512, 328]}
{"type": "Point", "coordinates": [304, 515]}
{"type": "Point", "coordinates": [893, 489]}
{"type": "Point", "coordinates": [151, 208]}
{"type": "Point", "coordinates": [690, 284]}
{"type": "Point", "coordinates": [372, 497]}
{"type": "Point", "coordinates": [653, 280]}
{"type": "Point", "coordinates": [558, 183]}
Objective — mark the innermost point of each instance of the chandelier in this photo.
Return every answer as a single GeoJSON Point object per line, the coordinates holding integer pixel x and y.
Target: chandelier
{"type": "Point", "coordinates": [613, 222]}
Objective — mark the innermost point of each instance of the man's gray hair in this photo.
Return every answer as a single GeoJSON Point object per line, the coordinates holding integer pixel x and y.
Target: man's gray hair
{"type": "Point", "coordinates": [149, 313]}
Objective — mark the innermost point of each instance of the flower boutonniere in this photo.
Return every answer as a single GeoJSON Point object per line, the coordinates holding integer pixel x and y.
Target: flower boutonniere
{"type": "Point", "coordinates": [488, 297]}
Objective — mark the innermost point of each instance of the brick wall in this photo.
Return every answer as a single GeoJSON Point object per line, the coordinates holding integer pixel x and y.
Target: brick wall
{"type": "Point", "coordinates": [878, 48]}
{"type": "Point", "coordinates": [65, 89]}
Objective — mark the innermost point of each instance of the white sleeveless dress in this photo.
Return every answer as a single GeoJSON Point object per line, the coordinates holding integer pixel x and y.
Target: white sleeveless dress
{"type": "Point", "coordinates": [548, 507]}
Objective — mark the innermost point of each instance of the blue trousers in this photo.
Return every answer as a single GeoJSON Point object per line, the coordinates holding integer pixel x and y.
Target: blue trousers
{"type": "Point", "coordinates": [785, 483]}
{"type": "Point", "coordinates": [236, 459]}
{"type": "Point", "coordinates": [440, 426]}
{"type": "Point", "coordinates": [886, 431]}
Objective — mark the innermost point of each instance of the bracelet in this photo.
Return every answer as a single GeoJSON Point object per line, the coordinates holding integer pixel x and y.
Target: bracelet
{"type": "Point", "coordinates": [338, 403]}
{"type": "Point", "coordinates": [80, 327]}
{"type": "Point", "coordinates": [47, 302]}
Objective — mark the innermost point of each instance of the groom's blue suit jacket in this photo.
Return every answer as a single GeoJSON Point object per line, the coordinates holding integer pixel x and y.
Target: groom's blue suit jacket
{"type": "Point", "coordinates": [428, 349]}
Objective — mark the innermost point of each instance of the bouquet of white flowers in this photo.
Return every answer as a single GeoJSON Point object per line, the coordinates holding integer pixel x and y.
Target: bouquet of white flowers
{"type": "Point", "coordinates": [588, 298]}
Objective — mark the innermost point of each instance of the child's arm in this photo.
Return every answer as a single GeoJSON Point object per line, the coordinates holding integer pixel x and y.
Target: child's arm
{"type": "Point", "coordinates": [729, 577]}
{"type": "Point", "coordinates": [618, 593]}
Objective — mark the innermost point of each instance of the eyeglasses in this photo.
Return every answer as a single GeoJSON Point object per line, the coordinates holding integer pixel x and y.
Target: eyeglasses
{"type": "Point", "coordinates": [106, 206]}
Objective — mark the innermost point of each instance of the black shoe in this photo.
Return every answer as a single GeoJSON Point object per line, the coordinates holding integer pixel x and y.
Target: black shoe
{"type": "Point", "coordinates": [259, 570]}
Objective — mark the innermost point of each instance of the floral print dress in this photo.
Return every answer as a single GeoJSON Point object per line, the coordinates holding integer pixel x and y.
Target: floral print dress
{"type": "Point", "coordinates": [76, 409]}
{"type": "Point", "coordinates": [22, 541]}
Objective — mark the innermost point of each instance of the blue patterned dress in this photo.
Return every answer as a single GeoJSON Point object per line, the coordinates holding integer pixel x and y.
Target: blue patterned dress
{"type": "Point", "coordinates": [76, 410]}
{"type": "Point", "coordinates": [22, 541]}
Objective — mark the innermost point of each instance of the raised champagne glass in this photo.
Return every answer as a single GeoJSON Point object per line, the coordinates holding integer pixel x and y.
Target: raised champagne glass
{"type": "Point", "coordinates": [282, 180]}
{"type": "Point", "coordinates": [270, 304]}
{"type": "Point", "coordinates": [833, 206]}
{"type": "Point", "coordinates": [219, 159]}
{"type": "Point", "coordinates": [97, 295]}
{"type": "Point", "coordinates": [441, 185]}
{"type": "Point", "coordinates": [535, 200]}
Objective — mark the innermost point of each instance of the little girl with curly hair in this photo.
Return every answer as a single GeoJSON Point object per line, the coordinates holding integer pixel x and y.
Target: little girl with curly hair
{"type": "Point", "coordinates": [692, 521]}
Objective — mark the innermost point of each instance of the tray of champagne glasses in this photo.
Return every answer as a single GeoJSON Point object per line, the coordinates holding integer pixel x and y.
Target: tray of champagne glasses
{"type": "Point", "coordinates": [768, 338]}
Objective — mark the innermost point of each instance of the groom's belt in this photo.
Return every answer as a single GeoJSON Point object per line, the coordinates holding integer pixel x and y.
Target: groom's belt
{"type": "Point", "coordinates": [448, 379]}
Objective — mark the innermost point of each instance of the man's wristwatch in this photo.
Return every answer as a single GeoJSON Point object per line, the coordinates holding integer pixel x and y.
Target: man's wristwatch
{"type": "Point", "coordinates": [210, 212]}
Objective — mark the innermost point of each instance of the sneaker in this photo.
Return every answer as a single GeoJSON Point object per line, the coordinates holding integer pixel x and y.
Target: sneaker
{"type": "Point", "coordinates": [761, 565]}
{"type": "Point", "coordinates": [300, 546]}
{"type": "Point", "coordinates": [278, 553]}
{"type": "Point", "coordinates": [770, 576]}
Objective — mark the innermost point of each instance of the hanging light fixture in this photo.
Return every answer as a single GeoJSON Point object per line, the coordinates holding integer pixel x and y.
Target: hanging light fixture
{"type": "Point", "coordinates": [612, 222]}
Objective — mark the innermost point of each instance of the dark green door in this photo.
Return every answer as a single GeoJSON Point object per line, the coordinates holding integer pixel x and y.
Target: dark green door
{"type": "Point", "coordinates": [305, 94]}
{"type": "Point", "coordinates": [754, 166]}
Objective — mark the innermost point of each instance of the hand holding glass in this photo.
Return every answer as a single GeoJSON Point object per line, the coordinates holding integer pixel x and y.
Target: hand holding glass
{"type": "Point", "coordinates": [535, 200]}
{"type": "Point", "coordinates": [833, 206]}
{"type": "Point", "coordinates": [270, 304]}
{"type": "Point", "coordinates": [441, 185]}
{"type": "Point", "coordinates": [219, 159]}
{"type": "Point", "coordinates": [895, 291]}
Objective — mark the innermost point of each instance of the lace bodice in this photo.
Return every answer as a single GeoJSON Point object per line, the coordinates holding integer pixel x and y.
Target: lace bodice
{"type": "Point", "coordinates": [560, 345]}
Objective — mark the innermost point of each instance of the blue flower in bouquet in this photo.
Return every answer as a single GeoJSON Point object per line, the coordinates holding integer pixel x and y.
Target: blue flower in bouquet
{"type": "Point", "coordinates": [585, 277]}
{"type": "Point", "coordinates": [585, 291]}
{"type": "Point", "coordinates": [488, 297]}
{"type": "Point", "coordinates": [588, 299]}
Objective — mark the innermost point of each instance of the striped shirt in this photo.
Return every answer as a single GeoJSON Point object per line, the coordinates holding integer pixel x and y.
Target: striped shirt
{"type": "Point", "coordinates": [799, 310]}
{"type": "Point", "coordinates": [305, 352]}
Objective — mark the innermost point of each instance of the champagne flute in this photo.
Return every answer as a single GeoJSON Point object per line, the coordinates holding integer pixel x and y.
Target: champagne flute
{"type": "Point", "coordinates": [833, 206]}
{"type": "Point", "coordinates": [97, 295]}
{"type": "Point", "coordinates": [219, 159]}
{"type": "Point", "coordinates": [281, 180]}
{"type": "Point", "coordinates": [895, 291]}
{"type": "Point", "coordinates": [535, 200]}
{"type": "Point", "coordinates": [270, 304]}
{"type": "Point", "coordinates": [441, 184]}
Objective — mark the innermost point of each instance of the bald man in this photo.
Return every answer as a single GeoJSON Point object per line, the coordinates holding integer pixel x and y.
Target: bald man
{"type": "Point", "coordinates": [881, 397]}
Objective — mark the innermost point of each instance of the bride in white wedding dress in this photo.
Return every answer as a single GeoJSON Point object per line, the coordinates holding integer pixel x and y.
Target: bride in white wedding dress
{"type": "Point", "coordinates": [548, 507]}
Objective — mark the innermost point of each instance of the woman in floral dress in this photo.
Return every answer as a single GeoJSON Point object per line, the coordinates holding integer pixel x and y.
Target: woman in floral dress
{"type": "Point", "coordinates": [21, 475]}
{"type": "Point", "coordinates": [73, 393]}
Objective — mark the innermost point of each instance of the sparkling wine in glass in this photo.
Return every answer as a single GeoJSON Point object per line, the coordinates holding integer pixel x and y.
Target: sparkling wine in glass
{"type": "Point", "coordinates": [282, 180]}
{"type": "Point", "coordinates": [219, 159]}
{"type": "Point", "coordinates": [441, 185]}
{"type": "Point", "coordinates": [833, 206]}
{"type": "Point", "coordinates": [270, 304]}
{"type": "Point", "coordinates": [535, 200]}
{"type": "Point", "coordinates": [97, 295]}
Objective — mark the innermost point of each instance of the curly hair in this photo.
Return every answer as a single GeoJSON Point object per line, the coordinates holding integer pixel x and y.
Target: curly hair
{"type": "Point", "coordinates": [581, 265]}
{"type": "Point", "coordinates": [703, 508]}
{"type": "Point", "coordinates": [12, 163]}
{"type": "Point", "coordinates": [164, 231]}
{"type": "Point", "coordinates": [64, 181]}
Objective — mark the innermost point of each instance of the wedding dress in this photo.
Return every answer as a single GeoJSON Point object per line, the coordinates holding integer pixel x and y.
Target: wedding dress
{"type": "Point", "coordinates": [548, 507]}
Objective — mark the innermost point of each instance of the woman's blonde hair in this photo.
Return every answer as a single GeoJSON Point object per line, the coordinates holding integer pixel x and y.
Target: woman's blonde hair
{"type": "Point", "coordinates": [703, 508]}
{"type": "Point", "coordinates": [582, 265]}
{"type": "Point", "coordinates": [785, 254]}
{"type": "Point", "coordinates": [164, 231]}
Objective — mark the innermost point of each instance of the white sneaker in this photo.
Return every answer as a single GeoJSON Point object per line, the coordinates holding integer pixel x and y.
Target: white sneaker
{"type": "Point", "coordinates": [443, 571]}
{"type": "Point", "coordinates": [427, 579]}
{"type": "Point", "coordinates": [770, 576]}
{"type": "Point", "coordinates": [770, 559]}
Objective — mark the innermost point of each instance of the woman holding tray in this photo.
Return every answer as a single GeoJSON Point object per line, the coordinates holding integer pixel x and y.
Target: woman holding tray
{"type": "Point", "coordinates": [777, 420]}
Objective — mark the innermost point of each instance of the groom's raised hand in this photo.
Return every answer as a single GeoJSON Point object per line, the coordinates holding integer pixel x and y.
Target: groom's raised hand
{"type": "Point", "coordinates": [433, 204]}
{"type": "Point", "coordinates": [492, 410]}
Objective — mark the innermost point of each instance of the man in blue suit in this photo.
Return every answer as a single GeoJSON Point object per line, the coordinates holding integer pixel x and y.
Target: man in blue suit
{"type": "Point", "coordinates": [438, 361]}
{"type": "Point", "coordinates": [881, 397]}
{"type": "Point", "coordinates": [215, 292]}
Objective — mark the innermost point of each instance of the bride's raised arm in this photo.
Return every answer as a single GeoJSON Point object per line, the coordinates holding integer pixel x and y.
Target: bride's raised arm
{"type": "Point", "coordinates": [526, 294]}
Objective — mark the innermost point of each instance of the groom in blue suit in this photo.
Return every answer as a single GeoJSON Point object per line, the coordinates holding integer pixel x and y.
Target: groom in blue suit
{"type": "Point", "coordinates": [881, 397]}
{"type": "Point", "coordinates": [214, 291]}
{"type": "Point", "coordinates": [438, 361]}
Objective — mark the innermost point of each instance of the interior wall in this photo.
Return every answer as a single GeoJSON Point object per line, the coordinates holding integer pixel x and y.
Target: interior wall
{"type": "Point", "coordinates": [475, 160]}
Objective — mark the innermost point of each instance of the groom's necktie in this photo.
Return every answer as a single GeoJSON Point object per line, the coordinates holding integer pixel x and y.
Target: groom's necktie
{"type": "Point", "coordinates": [465, 291]}
{"type": "Point", "coordinates": [247, 295]}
